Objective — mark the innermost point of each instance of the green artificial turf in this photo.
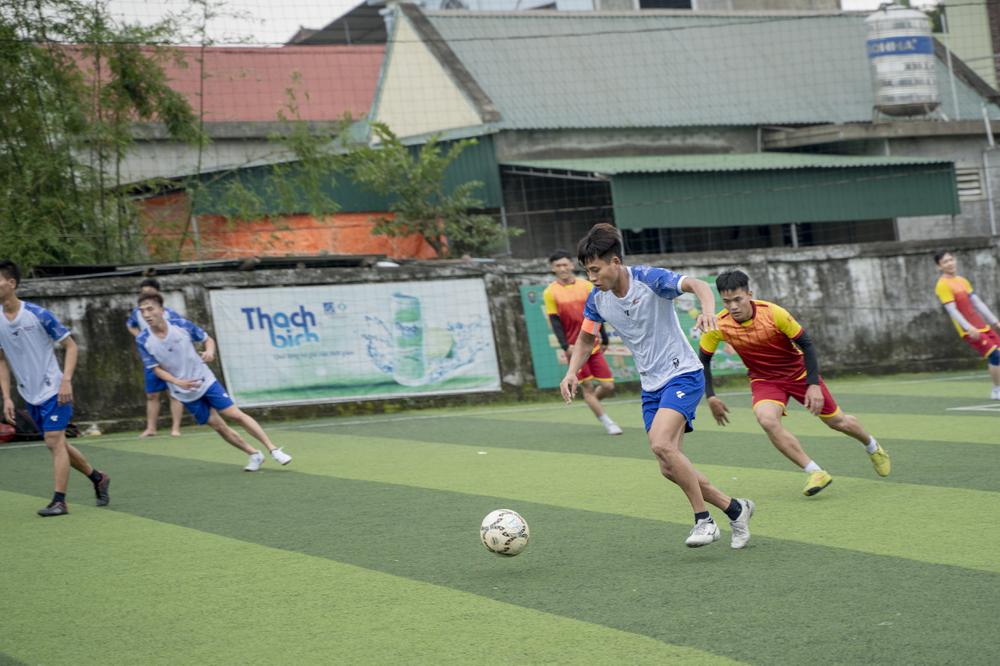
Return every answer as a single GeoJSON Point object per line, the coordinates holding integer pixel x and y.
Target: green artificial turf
{"type": "Point", "coordinates": [365, 549]}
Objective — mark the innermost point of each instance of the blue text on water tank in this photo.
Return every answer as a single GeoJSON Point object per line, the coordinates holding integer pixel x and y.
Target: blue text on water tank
{"type": "Point", "coordinates": [895, 46]}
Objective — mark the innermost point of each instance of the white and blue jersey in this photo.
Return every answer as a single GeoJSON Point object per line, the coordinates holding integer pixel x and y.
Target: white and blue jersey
{"type": "Point", "coordinates": [135, 319]}
{"type": "Point", "coordinates": [28, 342]}
{"type": "Point", "coordinates": [176, 354]}
{"type": "Point", "coordinates": [647, 322]}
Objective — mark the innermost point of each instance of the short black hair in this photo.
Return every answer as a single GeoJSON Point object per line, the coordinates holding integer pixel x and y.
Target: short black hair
{"type": "Point", "coordinates": [939, 255]}
{"type": "Point", "coordinates": [150, 282]}
{"type": "Point", "coordinates": [732, 280]}
{"type": "Point", "coordinates": [560, 254]}
{"type": "Point", "coordinates": [10, 271]}
{"type": "Point", "coordinates": [151, 297]}
{"type": "Point", "coordinates": [602, 242]}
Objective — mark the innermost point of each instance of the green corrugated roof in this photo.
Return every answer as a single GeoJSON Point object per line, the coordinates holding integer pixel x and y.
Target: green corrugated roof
{"type": "Point", "coordinates": [724, 162]}
{"type": "Point", "coordinates": [651, 69]}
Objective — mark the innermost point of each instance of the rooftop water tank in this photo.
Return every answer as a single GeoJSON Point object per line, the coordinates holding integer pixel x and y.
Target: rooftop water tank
{"type": "Point", "coordinates": [903, 65]}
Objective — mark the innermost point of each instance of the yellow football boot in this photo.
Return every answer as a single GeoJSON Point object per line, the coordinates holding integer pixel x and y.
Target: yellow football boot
{"type": "Point", "coordinates": [817, 482]}
{"type": "Point", "coordinates": [880, 461]}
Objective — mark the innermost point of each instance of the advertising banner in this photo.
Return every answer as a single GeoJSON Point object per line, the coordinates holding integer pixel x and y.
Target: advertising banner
{"type": "Point", "coordinates": [334, 343]}
{"type": "Point", "coordinates": [549, 361]}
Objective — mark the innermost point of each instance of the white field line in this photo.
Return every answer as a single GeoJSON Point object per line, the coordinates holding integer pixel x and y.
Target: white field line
{"type": "Point", "coordinates": [992, 407]}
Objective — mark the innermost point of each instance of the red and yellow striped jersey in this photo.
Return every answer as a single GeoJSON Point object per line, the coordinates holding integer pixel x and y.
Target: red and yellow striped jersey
{"type": "Point", "coordinates": [567, 301]}
{"type": "Point", "coordinates": [764, 341]}
{"type": "Point", "coordinates": [958, 290]}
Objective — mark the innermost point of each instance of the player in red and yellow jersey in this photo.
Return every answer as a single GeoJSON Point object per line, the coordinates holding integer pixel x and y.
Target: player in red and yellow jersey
{"type": "Point", "coordinates": [968, 313]}
{"type": "Point", "coordinates": [564, 301]}
{"type": "Point", "coordinates": [781, 363]}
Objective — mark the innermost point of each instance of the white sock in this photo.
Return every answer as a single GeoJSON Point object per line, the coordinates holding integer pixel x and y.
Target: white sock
{"type": "Point", "coordinates": [605, 419]}
{"type": "Point", "coordinates": [812, 467]}
{"type": "Point", "coordinates": [872, 445]}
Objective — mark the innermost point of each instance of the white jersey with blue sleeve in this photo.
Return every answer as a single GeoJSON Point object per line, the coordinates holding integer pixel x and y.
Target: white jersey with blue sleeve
{"type": "Point", "coordinates": [647, 322]}
{"type": "Point", "coordinates": [175, 353]}
{"type": "Point", "coordinates": [135, 319]}
{"type": "Point", "coordinates": [28, 342]}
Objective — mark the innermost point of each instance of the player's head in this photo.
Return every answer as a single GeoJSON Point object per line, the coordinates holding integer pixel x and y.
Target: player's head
{"type": "Point", "coordinates": [10, 276]}
{"type": "Point", "coordinates": [945, 261]}
{"type": "Point", "coordinates": [149, 286]}
{"type": "Point", "coordinates": [734, 288]}
{"type": "Point", "coordinates": [561, 264]}
{"type": "Point", "coordinates": [151, 307]}
{"type": "Point", "coordinates": [600, 252]}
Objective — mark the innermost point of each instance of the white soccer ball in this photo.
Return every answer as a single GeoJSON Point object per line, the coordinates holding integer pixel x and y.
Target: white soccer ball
{"type": "Point", "coordinates": [504, 532]}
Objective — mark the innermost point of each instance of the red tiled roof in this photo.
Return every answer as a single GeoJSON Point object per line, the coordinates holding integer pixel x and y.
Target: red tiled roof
{"type": "Point", "coordinates": [250, 84]}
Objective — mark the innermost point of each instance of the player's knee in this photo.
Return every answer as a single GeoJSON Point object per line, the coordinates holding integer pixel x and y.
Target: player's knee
{"type": "Point", "coordinates": [994, 357]}
{"type": "Point", "coordinates": [838, 422]}
{"type": "Point", "coordinates": [664, 450]}
{"type": "Point", "coordinates": [769, 422]}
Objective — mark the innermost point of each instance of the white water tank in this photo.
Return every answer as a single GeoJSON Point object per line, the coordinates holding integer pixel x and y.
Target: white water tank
{"type": "Point", "coordinates": [901, 53]}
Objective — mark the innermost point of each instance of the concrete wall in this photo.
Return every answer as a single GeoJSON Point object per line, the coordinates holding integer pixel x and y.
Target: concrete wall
{"type": "Point", "coordinates": [869, 307]}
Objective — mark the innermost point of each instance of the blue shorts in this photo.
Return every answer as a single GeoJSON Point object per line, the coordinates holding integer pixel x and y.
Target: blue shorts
{"type": "Point", "coordinates": [153, 383]}
{"type": "Point", "coordinates": [215, 397]}
{"type": "Point", "coordinates": [50, 416]}
{"type": "Point", "coordinates": [681, 394]}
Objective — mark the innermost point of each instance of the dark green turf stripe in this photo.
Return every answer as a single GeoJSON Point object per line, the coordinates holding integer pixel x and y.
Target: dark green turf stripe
{"type": "Point", "coordinates": [777, 602]}
{"type": "Point", "coordinates": [945, 464]}
{"type": "Point", "coordinates": [7, 660]}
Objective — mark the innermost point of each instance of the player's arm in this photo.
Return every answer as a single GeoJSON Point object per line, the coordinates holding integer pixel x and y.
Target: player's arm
{"type": "Point", "coordinates": [557, 328]}
{"type": "Point", "coordinates": [604, 337]}
{"type": "Point", "coordinates": [706, 348]}
{"type": "Point", "coordinates": [69, 367]}
{"type": "Point", "coordinates": [953, 312]}
{"type": "Point", "coordinates": [8, 403]}
{"type": "Point", "coordinates": [706, 320]}
{"type": "Point", "coordinates": [786, 324]}
{"type": "Point", "coordinates": [581, 352]}
{"type": "Point", "coordinates": [208, 355]}
{"type": "Point", "coordinates": [186, 384]}
{"type": "Point", "coordinates": [984, 310]}
{"type": "Point", "coordinates": [814, 394]}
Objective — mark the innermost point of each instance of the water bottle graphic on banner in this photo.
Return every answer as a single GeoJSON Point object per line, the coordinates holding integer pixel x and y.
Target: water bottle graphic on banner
{"type": "Point", "coordinates": [409, 363]}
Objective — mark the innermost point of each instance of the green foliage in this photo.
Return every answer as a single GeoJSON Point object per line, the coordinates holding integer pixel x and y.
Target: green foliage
{"type": "Point", "coordinates": [72, 83]}
{"type": "Point", "coordinates": [300, 182]}
{"type": "Point", "coordinates": [421, 205]}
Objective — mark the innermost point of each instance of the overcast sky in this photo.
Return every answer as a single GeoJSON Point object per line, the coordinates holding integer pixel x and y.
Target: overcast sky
{"type": "Point", "coordinates": [275, 21]}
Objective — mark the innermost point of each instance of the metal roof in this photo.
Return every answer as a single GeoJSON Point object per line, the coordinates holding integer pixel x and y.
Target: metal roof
{"type": "Point", "coordinates": [548, 70]}
{"type": "Point", "coordinates": [251, 84]}
{"type": "Point", "coordinates": [724, 162]}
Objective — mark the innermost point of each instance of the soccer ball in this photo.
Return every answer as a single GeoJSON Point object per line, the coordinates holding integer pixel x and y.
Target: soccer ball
{"type": "Point", "coordinates": [504, 532]}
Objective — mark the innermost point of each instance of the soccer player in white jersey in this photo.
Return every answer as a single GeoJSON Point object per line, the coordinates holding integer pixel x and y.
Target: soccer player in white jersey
{"type": "Point", "coordinates": [638, 302]}
{"type": "Point", "coordinates": [154, 385]}
{"type": "Point", "coordinates": [28, 334]}
{"type": "Point", "coordinates": [167, 348]}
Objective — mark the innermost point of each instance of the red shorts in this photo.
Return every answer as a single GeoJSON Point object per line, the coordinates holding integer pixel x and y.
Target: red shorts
{"type": "Point", "coordinates": [595, 368]}
{"type": "Point", "coordinates": [987, 342]}
{"type": "Point", "coordinates": [779, 390]}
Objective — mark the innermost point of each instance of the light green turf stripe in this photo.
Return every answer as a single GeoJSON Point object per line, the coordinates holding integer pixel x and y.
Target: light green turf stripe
{"type": "Point", "coordinates": [901, 520]}
{"type": "Point", "coordinates": [132, 590]}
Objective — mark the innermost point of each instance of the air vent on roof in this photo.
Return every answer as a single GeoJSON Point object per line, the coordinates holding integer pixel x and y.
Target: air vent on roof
{"type": "Point", "coordinates": [970, 184]}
